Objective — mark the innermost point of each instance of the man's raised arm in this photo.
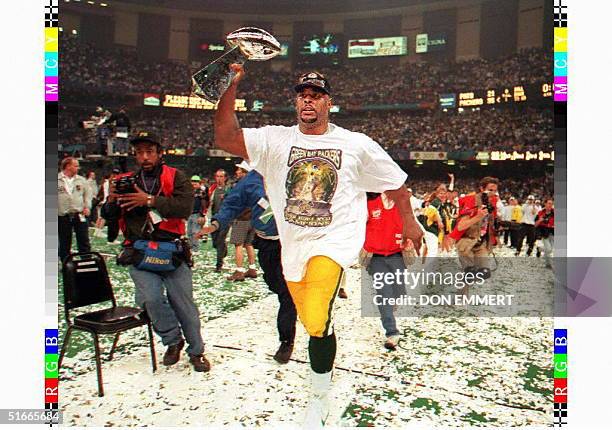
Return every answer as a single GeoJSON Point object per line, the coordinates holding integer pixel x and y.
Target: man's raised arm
{"type": "Point", "coordinates": [411, 229]}
{"type": "Point", "coordinates": [228, 134]}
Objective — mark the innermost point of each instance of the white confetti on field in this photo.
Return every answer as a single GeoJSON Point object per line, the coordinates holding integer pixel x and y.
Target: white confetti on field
{"type": "Point", "coordinates": [447, 372]}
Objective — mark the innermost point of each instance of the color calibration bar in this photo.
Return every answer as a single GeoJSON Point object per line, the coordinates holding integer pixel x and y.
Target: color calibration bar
{"type": "Point", "coordinates": [560, 52]}
{"type": "Point", "coordinates": [560, 87]}
{"type": "Point", "coordinates": [560, 378]}
{"type": "Point", "coordinates": [51, 370]}
{"type": "Point", "coordinates": [560, 135]}
{"type": "Point", "coordinates": [51, 65]}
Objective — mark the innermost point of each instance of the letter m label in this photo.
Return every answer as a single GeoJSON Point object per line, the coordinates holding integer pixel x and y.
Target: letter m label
{"type": "Point", "coordinates": [51, 88]}
{"type": "Point", "coordinates": [560, 88]}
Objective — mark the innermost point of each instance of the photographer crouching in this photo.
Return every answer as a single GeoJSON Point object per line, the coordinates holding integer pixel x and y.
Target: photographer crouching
{"type": "Point", "coordinates": [152, 205]}
{"type": "Point", "coordinates": [474, 233]}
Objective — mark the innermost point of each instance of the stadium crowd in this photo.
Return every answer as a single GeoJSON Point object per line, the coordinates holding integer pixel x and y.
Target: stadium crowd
{"type": "Point", "coordinates": [88, 68]}
{"type": "Point", "coordinates": [398, 132]}
{"type": "Point", "coordinates": [479, 130]}
{"type": "Point", "coordinates": [518, 187]}
{"type": "Point", "coordinates": [90, 74]}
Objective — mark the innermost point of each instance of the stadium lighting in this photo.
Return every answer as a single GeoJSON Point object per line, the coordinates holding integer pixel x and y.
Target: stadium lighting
{"type": "Point", "coordinates": [74, 31]}
{"type": "Point", "coordinates": [91, 2]}
{"type": "Point", "coordinates": [228, 159]}
{"type": "Point", "coordinates": [450, 162]}
{"type": "Point", "coordinates": [419, 162]}
{"type": "Point", "coordinates": [60, 29]}
{"type": "Point", "coordinates": [484, 163]}
{"type": "Point", "coordinates": [103, 4]}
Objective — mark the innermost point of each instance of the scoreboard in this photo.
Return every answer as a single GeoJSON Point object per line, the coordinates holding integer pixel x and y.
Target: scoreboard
{"type": "Point", "coordinates": [503, 95]}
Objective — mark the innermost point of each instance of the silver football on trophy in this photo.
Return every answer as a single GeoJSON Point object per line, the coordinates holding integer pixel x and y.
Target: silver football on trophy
{"type": "Point", "coordinates": [256, 44]}
{"type": "Point", "coordinates": [247, 43]}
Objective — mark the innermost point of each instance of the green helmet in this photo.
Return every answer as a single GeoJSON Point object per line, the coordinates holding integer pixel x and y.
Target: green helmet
{"type": "Point", "coordinates": [195, 178]}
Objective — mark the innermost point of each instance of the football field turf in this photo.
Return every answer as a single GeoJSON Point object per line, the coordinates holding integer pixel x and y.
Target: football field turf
{"type": "Point", "coordinates": [446, 372]}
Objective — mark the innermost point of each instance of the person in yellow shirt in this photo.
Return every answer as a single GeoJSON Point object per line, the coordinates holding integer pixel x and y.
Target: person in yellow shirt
{"type": "Point", "coordinates": [432, 221]}
{"type": "Point", "coordinates": [516, 214]}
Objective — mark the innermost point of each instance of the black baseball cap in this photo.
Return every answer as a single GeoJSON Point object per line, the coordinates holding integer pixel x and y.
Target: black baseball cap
{"type": "Point", "coordinates": [313, 80]}
{"type": "Point", "coordinates": [146, 136]}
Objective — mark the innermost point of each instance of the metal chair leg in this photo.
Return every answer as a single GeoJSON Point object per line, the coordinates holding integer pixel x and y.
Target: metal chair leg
{"type": "Point", "coordinates": [152, 345]}
{"type": "Point", "coordinates": [64, 346]}
{"type": "Point", "coordinates": [98, 365]}
{"type": "Point", "coordinates": [112, 351]}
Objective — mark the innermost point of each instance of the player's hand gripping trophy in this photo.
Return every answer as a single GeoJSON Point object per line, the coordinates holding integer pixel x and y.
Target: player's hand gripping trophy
{"type": "Point", "coordinates": [247, 43]}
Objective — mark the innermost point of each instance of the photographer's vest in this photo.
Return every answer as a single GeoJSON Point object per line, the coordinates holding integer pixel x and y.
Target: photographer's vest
{"type": "Point", "coordinates": [468, 206]}
{"type": "Point", "coordinates": [383, 229]}
{"type": "Point", "coordinates": [166, 180]}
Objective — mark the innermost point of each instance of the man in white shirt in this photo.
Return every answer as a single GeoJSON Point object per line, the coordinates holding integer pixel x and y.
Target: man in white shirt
{"type": "Point", "coordinates": [73, 208]}
{"type": "Point", "coordinates": [530, 211]}
{"type": "Point", "coordinates": [505, 213]}
{"type": "Point", "coordinates": [316, 177]}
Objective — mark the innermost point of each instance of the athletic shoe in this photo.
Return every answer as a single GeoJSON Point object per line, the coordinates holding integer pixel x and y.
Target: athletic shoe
{"type": "Point", "coordinates": [342, 294]}
{"type": "Point", "coordinates": [236, 276]}
{"type": "Point", "coordinates": [392, 341]}
{"type": "Point", "coordinates": [318, 408]}
{"type": "Point", "coordinates": [218, 269]}
{"type": "Point", "coordinates": [251, 273]}
{"type": "Point", "coordinates": [199, 363]}
{"type": "Point", "coordinates": [173, 353]}
{"type": "Point", "coordinates": [538, 253]}
{"type": "Point", "coordinates": [284, 352]}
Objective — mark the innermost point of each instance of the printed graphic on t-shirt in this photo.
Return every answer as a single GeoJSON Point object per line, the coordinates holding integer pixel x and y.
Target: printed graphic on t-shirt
{"type": "Point", "coordinates": [311, 183]}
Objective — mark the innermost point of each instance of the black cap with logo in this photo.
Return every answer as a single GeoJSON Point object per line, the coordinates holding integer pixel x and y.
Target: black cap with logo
{"type": "Point", "coordinates": [146, 136]}
{"type": "Point", "coordinates": [313, 80]}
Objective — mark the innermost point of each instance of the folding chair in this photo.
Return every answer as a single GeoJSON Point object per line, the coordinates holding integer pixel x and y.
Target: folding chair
{"type": "Point", "coordinates": [86, 282]}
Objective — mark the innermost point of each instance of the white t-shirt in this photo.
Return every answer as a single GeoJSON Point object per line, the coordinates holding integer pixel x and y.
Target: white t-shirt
{"type": "Point", "coordinates": [316, 185]}
{"type": "Point", "coordinates": [528, 215]}
{"type": "Point", "coordinates": [506, 213]}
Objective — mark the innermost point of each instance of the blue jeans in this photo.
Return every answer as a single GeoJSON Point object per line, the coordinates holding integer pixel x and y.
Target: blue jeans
{"type": "Point", "coordinates": [192, 228]}
{"type": "Point", "coordinates": [173, 310]}
{"type": "Point", "coordinates": [389, 264]}
{"type": "Point", "coordinates": [549, 246]}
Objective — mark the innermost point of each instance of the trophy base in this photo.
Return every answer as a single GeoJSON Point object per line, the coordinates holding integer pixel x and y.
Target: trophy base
{"type": "Point", "coordinates": [213, 80]}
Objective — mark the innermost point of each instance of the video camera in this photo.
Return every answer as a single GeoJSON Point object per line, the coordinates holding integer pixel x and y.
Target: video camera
{"type": "Point", "coordinates": [486, 203]}
{"type": "Point", "coordinates": [125, 184]}
{"type": "Point", "coordinates": [95, 120]}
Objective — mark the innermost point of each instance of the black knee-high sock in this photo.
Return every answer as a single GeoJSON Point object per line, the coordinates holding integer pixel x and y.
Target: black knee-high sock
{"type": "Point", "coordinates": [322, 353]}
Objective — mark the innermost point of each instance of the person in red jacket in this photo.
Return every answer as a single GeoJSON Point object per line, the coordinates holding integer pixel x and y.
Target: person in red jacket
{"type": "Point", "coordinates": [383, 254]}
{"type": "Point", "coordinates": [474, 232]}
{"type": "Point", "coordinates": [152, 206]}
{"type": "Point", "coordinates": [545, 223]}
